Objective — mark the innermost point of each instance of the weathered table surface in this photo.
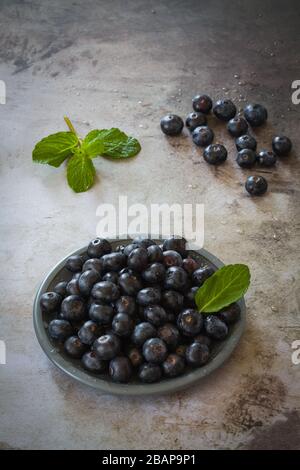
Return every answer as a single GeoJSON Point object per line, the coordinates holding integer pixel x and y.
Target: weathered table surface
{"type": "Point", "coordinates": [106, 64]}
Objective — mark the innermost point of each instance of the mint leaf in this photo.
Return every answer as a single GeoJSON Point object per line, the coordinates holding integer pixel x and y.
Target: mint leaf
{"type": "Point", "coordinates": [93, 143]}
{"type": "Point", "coordinates": [225, 286]}
{"type": "Point", "coordinates": [80, 172]}
{"type": "Point", "coordinates": [118, 145]}
{"type": "Point", "coordinates": [55, 148]}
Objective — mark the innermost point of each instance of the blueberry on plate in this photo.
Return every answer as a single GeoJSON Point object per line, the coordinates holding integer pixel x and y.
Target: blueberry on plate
{"type": "Point", "coordinates": [172, 301]}
{"type": "Point", "coordinates": [149, 373]}
{"type": "Point", "coordinates": [175, 244]}
{"type": "Point", "coordinates": [189, 298]}
{"type": "Point", "coordinates": [135, 356]}
{"type": "Point", "coordinates": [74, 263]}
{"type": "Point", "coordinates": [202, 103]}
{"type": "Point", "coordinates": [266, 158]}
{"type": "Point", "coordinates": [246, 158]}
{"type": "Point", "coordinates": [197, 354]}
{"type": "Point", "coordinates": [155, 254]}
{"type": "Point", "coordinates": [105, 291]}
{"type": "Point", "coordinates": [87, 280]}
{"type": "Point", "coordinates": [50, 301]}
{"type": "Point", "coordinates": [142, 332]}
{"type": "Point", "coordinates": [120, 369]}
{"type": "Point", "coordinates": [61, 288]}
{"type": "Point", "coordinates": [190, 265]}
{"type": "Point", "coordinates": [113, 261]}
{"type": "Point", "coordinates": [281, 145]}
{"type": "Point", "coordinates": [60, 329]}
{"type": "Point", "coordinates": [122, 324]}
{"type": "Point", "coordinates": [107, 346]}
{"type": "Point", "coordinates": [169, 334]}
{"type": "Point", "coordinates": [190, 322]}
{"type": "Point", "coordinates": [155, 351]}
{"type": "Point", "coordinates": [215, 154]}
{"type": "Point", "coordinates": [203, 339]}
{"type": "Point", "coordinates": [215, 328]}
{"type": "Point", "coordinates": [194, 120]}
{"type": "Point", "coordinates": [202, 136]}
{"type": "Point", "coordinates": [73, 308]}
{"type": "Point", "coordinates": [155, 314]}
{"type": "Point", "coordinates": [102, 314]}
{"type": "Point", "coordinates": [224, 110]}
{"type": "Point", "coordinates": [181, 350]}
{"type": "Point", "coordinates": [74, 347]}
{"type": "Point", "coordinates": [171, 124]}
{"type": "Point", "coordinates": [201, 274]}
{"type": "Point", "coordinates": [130, 283]}
{"type": "Point", "coordinates": [237, 126]}
{"type": "Point", "coordinates": [143, 242]}
{"type": "Point", "coordinates": [148, 296]}
{"type": "Point", "coordinates": [92, 363]}
{"type": "Point", "coordinates": [73, 287]}
{"type": "Point", "coordinates": [89, 332]}
{"type": "Point", "coordinates": [154, 274]}
{"type": "Point", "coordinates": [98, 247]}
{"type": "Point", "coordinates": [93, 263]}
{"type": "Point", "coordinates": [126, 304]}
{"type": "Point", "coordinates": [111, 276]}
{"type": "Point", "coordinates": [230, 314]}
{"type": "Point", "coordinates": [176, 278]}
{"type": "Point", "coordinates": [246, 142]}
{"type": "Point", "coordinates": [256, 185]}
{"type": "Point", "coordinates": [138, 259]}
{"type": "Point", "coordinates": [256, 114]}
{"type": "Point", "coordinates": [173, 365]}
{"type": "Point", "coordinates": [129, 248]}
{"type": "Point", "coordinates": [172, 258]}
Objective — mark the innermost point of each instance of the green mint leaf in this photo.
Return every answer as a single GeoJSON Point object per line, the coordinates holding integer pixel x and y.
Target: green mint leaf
{"type": "Point", "coordinates": [93, 143]}
{"type": "Point", "coordinates": [225, 286]}
{"type": "Point", "coordinates": [80, 172]}
{"type": "Point", "coordinates": [111, 143]}
{"type": "Point", "coordinates": [55, 148]}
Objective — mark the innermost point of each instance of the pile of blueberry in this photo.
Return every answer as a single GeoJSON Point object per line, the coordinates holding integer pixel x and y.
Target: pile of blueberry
{"type": "Point", "coordinates": [254, 115]}
{"type": "Point", "coordinates": [131, 314]}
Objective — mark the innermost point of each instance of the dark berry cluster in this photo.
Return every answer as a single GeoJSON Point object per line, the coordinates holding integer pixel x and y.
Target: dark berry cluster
{"type": "Point", "coordinates": [255, 115]}
{"type": "Point", "coordinates": [131, 314]}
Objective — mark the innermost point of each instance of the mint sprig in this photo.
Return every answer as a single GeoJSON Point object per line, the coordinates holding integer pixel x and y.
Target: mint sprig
{"type": "Point", "coordinates": [225, 286]}
{"type": "Point", "coordinates": [56, 148]}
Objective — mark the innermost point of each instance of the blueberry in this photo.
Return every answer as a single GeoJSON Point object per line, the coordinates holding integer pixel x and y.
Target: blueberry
{"type": "Point", "coordinates": [135, 357]}
{"type": "Point", "coordinates": [155, 254]}
{"type": "Point", "coordinates": [197, 354]}
{"type": "Point", "coordinates": [246, 158]}
{"type": "Point", "coordinates": [98, 247]}
{"type": "Point", "coordinates": [148, 296]}
{"type": "Point", "coordinates": [61, 288]}
{"type": "Point", "coordinates": [176, 278]}
{"type": "Point", "coordinates": [172, 301]}
{"type": "Point", "coordinates": [120, 369]}
{"type": "Point", "coordinates": [142, 332]}
{"type": "Point", "coordinates": [111, 276]}
{"type": "Point", "coordinates": [73, 308]}
{"type": "Point", "coordinates": [120, 248]}
{"type": "Point", "coordinates": [190, 265]}
{"type": "Point", "coordinates": [154, 274]}
{"type": "Point", "coordinates": [281, 145]}
{"type": "Point", "coordinates": [155, 314]}
{"type": "Point", "coordinates": [50, 301]}
{"type": "Point", "coordinates": [150, 373]}
{"type": "Point", "coordinates": [89, 332]}
{"type": "Point", "coordinates": [105, 291]}
{"type": "Point", "coordinates": [60, 329]}
{"type": "Point", "coordinates": [171, 124]}
{"type": "Point", "coordinates": [215, 154]}
{"type": "Point", "coordinates": [190, 322]}
{"type": "Point", "coordinates": [246, 142]}
{"type": "Point", "coordinates": [172, 258]}
{"type": "Point", "coordinates": [130, 284]}
{"type": "Point", "coordinates": [194, 120]}
{"type": "Point", "coordinates": [224, 110]}
{"type": "Point", "coordinates": [190, 297]}
{"type": "Point", "coordinates": [202, 136]}
{"type": "Point", "coordinates": [113, 261]}
{"type": "Point", "coordinates": [175, 244]}
{"type": "Point", "coordinates": [237, 126]}
{"type": "Point", "coordinates": [256, 185]}
{"type": "Point", "coordinates": [201, 274]}
{"type": "Point", "coordinates": [122, 324]}
{"type": "Point", "coordinates": [143, 242]}
{"type": "Point", "coordinates": [155, 350]}
{"type": "Point", "coordinates": [73, 287]}
{"type": "Point", "coordinates": [202, 103]}
{"type": "Point", "coordinates": [181, 350]}
{"type": "Point", "coordinates": [129, 248]}
{"type": "Point", "coordinates": [138, 259]}
{"type": "Point", "coordinates": [74, 263]}
{"type": "Point", "coordinates": [93, 263]}
{"type": "Point", "coordinates": [92, 363]}
{"type": "Point", "coordinates": [102, 314]}
{"type": "Point", "coordinates": [230, 314]}
{"type": "Point", "coordinates": [256, 114]}
{"type": "Point", "coordinates": [107, 346]}
{"type": "Point", "coordinates": [74, 347]}
{"type": "Point", "coordinates": [215, 328]}
{"type": "Point", "coordinates": [169, 334]}
{"type": "Point", "coordinates": [173, 365]}
{"type": "Point", "coordinates": [87, 280]}
{"type": "Point", "coordinates": [126, 304]}
{"type": "Point", "coordinates": [266, 158]}
{"type": "Point", "coordinates": [203, 340]}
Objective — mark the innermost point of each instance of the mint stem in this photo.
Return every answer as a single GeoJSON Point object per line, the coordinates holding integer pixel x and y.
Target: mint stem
{"type": "Point", "coordinates": [72, 129]}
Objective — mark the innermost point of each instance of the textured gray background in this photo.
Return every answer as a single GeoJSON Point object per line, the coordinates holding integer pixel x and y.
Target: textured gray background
{"type": "Point", "coordinates": [126, 63]}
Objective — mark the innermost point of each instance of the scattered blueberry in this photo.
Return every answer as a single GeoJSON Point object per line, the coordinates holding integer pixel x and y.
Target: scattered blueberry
{"type": "Point", "coordinates": [246, 158]}
{"type": "Point", "coordinates": [171, 124]}
{"type": "Point", "coordinates": [256, 114]}
{"type": "Point", "coordinates": [194, 120]}
{"type": "Point", "coordinates": [266, 158]}
{"type": "Point", "coordinates": [224, 110]}
{"type": "Point", "coordinates": [202, 103]}
{"type": "Point", "coordinates": [237, 126]}
{"type": "Point", "coordinates": [202, 136]}
{"type": "Point", "coordinates": [281, 145]}
{"type": "Point", "coordinates": [246, 142]}
{"type": "Point", "coordinates": [256, 185]}
{"type": "Point", "coordinates": [215, 154]}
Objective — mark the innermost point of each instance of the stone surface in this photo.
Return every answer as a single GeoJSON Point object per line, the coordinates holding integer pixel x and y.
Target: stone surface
{"type": "Point", "coordinates": [117, 64]}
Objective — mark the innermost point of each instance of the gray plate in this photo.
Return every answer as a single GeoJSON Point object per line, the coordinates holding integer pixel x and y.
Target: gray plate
{"type": "Point", "coordinates": [73, 368]}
